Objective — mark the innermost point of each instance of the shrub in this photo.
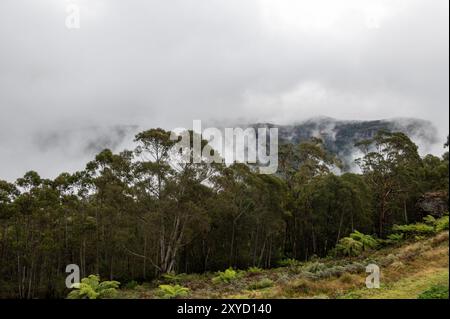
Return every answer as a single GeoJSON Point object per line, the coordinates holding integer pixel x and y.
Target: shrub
{"type": "Point", "coordinates": [335, 271]}
{"type": "Point", "coordinates": [263, 283]}
{"type": "Point", "coordinates": [413, 230]}
{"type": "Point", "coordinates": [429, 220]}
{"type": "Point", "coordinates": [355, 267]}
{"type": "Point", "coordinates": [131, 285]}
{"type": "Point", "coordinates": [92, 288]}
{"type": "Point", "coordinates": [226, 276]}
{"type": "Point", "coordinates": [367, 241]}
{"type": "Point", "coordinates": [254, 270]}
{"type": "Point", "coordinates": [435, 292]}
{"type": "Point", "coordinates": [314, 267]}
{"type": "Point", "coordinates": [347, 246]}
{"type": "Point", "coordinates": [173, 277]}
{"type": "Point", "coordinates": [395, 238]}
{"type": "Point", "coordinates": [441, 224]}
{"type": "Point", "coordinates": [289, 262]}
{"type": "Point", "coordinates": [172, 291]}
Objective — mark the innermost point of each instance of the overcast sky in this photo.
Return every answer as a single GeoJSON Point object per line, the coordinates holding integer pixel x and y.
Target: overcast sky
{"type": "Point", "coordinates": [164, 63]}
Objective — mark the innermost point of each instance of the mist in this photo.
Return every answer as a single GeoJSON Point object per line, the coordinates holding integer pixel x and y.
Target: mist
{"type": "Point", "coordinates": [66, 93]}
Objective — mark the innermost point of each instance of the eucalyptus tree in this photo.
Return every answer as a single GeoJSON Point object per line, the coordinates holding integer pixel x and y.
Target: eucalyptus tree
{"type": "Point", "coordinates": [391, 164]}
{"type": "Point", "coordinates": [300, 165]}
{"type": "Point", "coordinates": [110, 201]}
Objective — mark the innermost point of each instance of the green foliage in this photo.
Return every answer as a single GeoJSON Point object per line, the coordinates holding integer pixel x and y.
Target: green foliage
{"type": "Point", "coordinates": [131, 285]}
{"type": "Point", "coordinates": [138, 206]}
{"type": "Point", "coordinates": [261, 284]}
{"type": "Point", "coordinates": [392, 239]}
{"type": "Point", "coordinates": [335, 271]}
{"type": "Point", "coordinates": [429, 220]}
{"type": "Point", "coordinates": [289, 262]}
{"type": "Point", "coordinates": [173, 277]}
{"type": "Point", "coordinates": [355, 244]}
{"type": "Point", "coordinates": [173, 291]}
{"type": "Point", "coordinates": [435, 292]}
{"type": "Point", "coordinates": [391, 163]}
{"type": "Point", "coordinates": [350, 247]}
{"type": "Point", "coordinates": [441, 224]}
{"type": "Point", "coordinates": [92, 288]}
{"type": "Point", "coordinates": [226, 276]}
{"type": "Point", "coordinates": [413, 230]}
{"type": "Point", "coordinates": [395, 238]}
{"type": "Point", "coordinates": [367, 241]}
{"type": "Point", "coordinates": [418, 231]}
{"type": "Point", "coordinates": [254, 270]}
{"type": "Point", "coordinates": [314, 267]}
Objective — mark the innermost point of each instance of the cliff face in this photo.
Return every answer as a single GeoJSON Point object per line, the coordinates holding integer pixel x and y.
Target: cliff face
{"type": "Point", "coordinates": [433, 203]}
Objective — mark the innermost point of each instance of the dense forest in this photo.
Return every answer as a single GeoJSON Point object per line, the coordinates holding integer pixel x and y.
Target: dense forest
{"type": "Point", "coordinates": [137, 215]}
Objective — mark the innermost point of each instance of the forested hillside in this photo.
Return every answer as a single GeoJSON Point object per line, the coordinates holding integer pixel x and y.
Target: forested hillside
{"type": "Point", "coordinates": [339, 137]}
{"type": "Point", "coordinates": [136, 215]}
{"type": "Point", "coordinates": [410, 269]}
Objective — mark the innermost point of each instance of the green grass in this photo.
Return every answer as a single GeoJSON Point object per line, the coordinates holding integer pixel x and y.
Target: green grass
{"type": "Point", "coordinates": [435, 292]}
{"type": "Point", "coordinates": [406, 288]}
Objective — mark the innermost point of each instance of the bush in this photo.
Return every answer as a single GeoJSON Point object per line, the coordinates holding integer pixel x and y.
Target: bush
{"type": "Point", "coordinates": [350, 247]}
{"type": "Point", "coordinates": [226, 276]}
{"type": "Point", "coordinates": [367, 241]}
{"type": "Point", "coordinates": [263, 283]}
{"type": "Point", "coordinates": [172, 291]}
{"type": "Point", "coordinates": [173, 277]}
{"type": "Point", "coordinates": [354, 268]}
{"type": "Point", "coordinates": [413, 230]}
{"type": "Point", "coordinates": [335, 271]}
{"type": "Point", "coordinates": [92, 288]}
{"type": "Point", "coordinates": [395, 238]}
{"type": "Point", "coordinates": [289, 262]}
{"type": "Point", "coordinates": [418, 231]}
{"type": "Point", "coordinates": [435, 292]}
{"type": "Point", "coordinates": [131, 285]}
{"type": "Point", "coordinates": [254, 270]}
{"type": "Point", "coordinates": [314, 267]}
{"type": "Point", "coordinates": [441, 224]}
{"type": "Point", "coordinates": [429, 220]}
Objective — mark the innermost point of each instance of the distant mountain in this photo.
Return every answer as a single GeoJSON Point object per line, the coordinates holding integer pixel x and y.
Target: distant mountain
{"type": "Point", "coordinates": [340, 136]}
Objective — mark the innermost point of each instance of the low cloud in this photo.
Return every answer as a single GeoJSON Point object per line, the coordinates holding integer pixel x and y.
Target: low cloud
{"type": "Point", "coordinates": [163, 64]}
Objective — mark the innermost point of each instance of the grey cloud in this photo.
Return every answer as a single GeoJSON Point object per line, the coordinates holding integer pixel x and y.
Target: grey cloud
{"type": "Point", "coordinates": [164, 63]}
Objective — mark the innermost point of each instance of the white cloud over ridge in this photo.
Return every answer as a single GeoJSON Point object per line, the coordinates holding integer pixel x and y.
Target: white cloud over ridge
{"type": "Point", "coordinates": [164, 63]}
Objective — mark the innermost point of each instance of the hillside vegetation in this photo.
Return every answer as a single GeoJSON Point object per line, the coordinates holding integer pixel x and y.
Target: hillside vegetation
{"type": "Point", "coordinates": [143, 215]}
{"type": "Point", "coordinates": [416, 269]}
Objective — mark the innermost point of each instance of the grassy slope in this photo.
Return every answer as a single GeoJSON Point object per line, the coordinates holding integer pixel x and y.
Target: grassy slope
{"type": "Point", "coordinates": [406, 271]}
